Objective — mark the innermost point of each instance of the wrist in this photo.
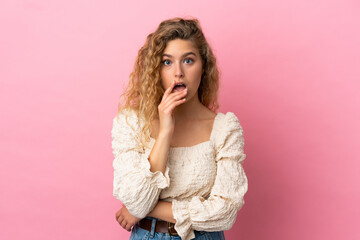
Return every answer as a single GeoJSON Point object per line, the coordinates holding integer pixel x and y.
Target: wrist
{"type": "Point", "coordinates": [165, 133]}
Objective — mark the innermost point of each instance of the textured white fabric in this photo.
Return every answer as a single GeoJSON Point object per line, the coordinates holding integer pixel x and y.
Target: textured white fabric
{"type": "Point", "coordinates": [206, 183]}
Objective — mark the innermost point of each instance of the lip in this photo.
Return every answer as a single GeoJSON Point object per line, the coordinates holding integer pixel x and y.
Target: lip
{"type": "Point", "coordinates": [176, 83]}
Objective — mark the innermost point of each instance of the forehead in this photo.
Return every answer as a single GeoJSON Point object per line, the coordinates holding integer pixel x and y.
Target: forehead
{"type": "Point", "coordinates": [179, 46]}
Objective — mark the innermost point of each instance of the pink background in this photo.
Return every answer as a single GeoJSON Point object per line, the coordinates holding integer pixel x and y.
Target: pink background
{"type": "Point", "coordinates": [290, 72]}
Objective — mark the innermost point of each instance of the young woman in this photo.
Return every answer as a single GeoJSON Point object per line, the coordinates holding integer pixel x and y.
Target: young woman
{"type": "Point", "coordinates": [178, 163]}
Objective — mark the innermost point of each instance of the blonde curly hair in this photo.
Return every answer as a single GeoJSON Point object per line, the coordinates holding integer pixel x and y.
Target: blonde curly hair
{"type": "Point", "coordinates": [144, 91]}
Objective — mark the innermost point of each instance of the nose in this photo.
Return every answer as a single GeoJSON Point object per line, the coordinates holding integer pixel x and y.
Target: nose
{"type": "Point", "coordinates": [178, 71]}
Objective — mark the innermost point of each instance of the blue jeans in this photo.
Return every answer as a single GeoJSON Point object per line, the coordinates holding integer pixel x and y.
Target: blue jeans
{"type": "Point", "coordinates": [138, 233]}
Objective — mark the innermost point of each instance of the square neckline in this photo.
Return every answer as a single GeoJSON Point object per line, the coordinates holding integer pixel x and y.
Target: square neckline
{"type": "Point", "coordinates": [198, 144]}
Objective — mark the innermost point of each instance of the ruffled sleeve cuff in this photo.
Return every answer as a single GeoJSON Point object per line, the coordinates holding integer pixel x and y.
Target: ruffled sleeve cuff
{"type": "Point", "coordinates": [181, 214]}
{"type": "Point", "coordinates": [159, 179]}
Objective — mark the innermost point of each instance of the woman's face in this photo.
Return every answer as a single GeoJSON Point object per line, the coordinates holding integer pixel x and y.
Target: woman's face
{"type": "Point", "coordinates": [181, 61]}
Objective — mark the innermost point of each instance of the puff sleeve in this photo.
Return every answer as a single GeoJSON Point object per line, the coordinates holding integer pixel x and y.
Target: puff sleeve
{"type": "Point", "coordinates": [134, 184]}
{"type": "Point", "coordinates": [218, 212]}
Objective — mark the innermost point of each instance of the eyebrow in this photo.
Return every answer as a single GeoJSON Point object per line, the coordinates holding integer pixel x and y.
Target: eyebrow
{"type": "Point", "coordinates": [184, 55]}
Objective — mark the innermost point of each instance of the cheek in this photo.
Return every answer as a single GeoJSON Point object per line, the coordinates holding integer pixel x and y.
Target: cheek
{"type": "Point", "coordinates": [198, 69]}
{"type": "Point", "coordinates": [195, 82]}
{"type": "Point", "coordinates": [196, 73]}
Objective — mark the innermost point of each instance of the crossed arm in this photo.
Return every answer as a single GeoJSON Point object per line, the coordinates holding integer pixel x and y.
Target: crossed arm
{"type": "Point", "coordinates": [162, 210]}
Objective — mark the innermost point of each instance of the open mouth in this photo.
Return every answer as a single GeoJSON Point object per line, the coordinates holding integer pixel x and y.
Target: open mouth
{"type": "Point", "coordinates": [179, 87]}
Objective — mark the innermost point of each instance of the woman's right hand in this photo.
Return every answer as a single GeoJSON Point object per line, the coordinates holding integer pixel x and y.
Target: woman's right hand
{"type": "Point", "coordinates": [166, 108]}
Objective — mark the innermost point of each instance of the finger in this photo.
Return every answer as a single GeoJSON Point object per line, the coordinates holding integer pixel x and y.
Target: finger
{"type": "Point", "coordinates": [175, 96]}
{"type": "Point", "coordinates": [117, 214]}
{"type": "Point", "coordinates": [169, 89]}
{"type": "Point", "coordinates": [128, 227]}
{"type": "Point", "coordinates": [120, 219]}
{"type": "Point", "coordinates": [174, 99]}
{"type": "Point", "coordinates": [171, 107]}
{"type": "Point", "coordinates": [124, 223]}
{"type": "Point", "coordinates": [177, 93]}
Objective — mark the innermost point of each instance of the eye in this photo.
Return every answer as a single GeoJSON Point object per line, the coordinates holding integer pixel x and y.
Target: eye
{"type": "Point", "coordinates": [166, 62]}
{"type": "Point", "coordinates": [188, 60]}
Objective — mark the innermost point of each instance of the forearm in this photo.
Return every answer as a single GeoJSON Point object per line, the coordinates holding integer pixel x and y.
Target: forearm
{"type": "Point", "coordinates": [159, 153]}
{"type": "Point", "coordinates": [163, 211]}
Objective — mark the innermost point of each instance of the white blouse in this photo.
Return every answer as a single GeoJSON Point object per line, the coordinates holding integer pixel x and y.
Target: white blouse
{"type": "Point", "coordinates": [206, 183]}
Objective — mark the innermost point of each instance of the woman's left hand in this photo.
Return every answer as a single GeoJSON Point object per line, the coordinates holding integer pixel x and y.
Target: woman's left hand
{"type": "Point", "coordinates": [125, 219]}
